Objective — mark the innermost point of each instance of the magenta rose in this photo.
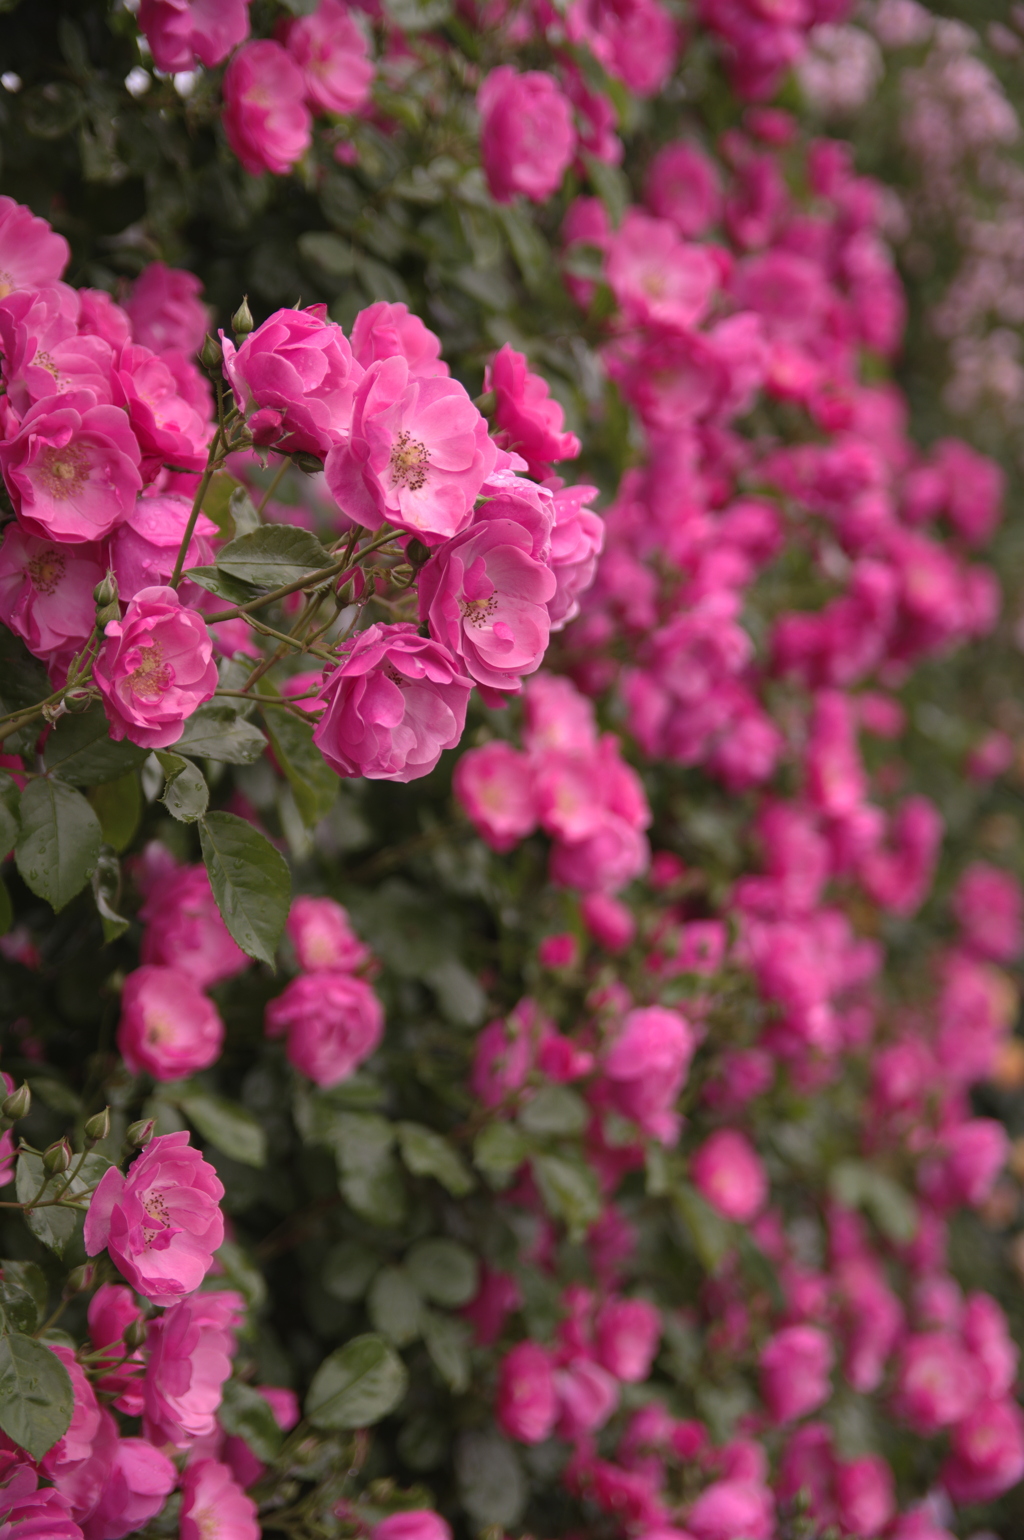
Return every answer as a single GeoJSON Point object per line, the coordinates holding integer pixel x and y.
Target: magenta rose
{"type": "Point", "coordinates": [657, 279]}
{"type": "Point", "coordinates": [145, 547]}
{"type": "Point", "coordinates": [72, 469]}
{"type": "Point", "coordinates": [730, 1174]}
{"type": "Point", "coordinates": [418, 453]}
{"type": "Point", "coordinates": [795, 1367]}
{"type": "Point", "coordinates": [330, 50]}
{"type": "Point", "coordinates": [45, 352]}
{"type": "Point", "coordinates": [494, 785]}
{"type": "Point", "coordinates": [78, 1463]}
{"type": "Point", "coordinates": [527, 138]}
{"type": "Point", "coordinates": [179, 32]}
{"type": "Point", "coordinates": [139, 1481]}
{"type": "Point", "coordinates": [112, 1310]}
{"type": "Point", "coordinates": [190, 1351]}
{"type": "Point", "coordinates": [46, 591]}
{"type": "Point", "coordinates": [265, 117]}
{"type": "Point", "coordinates": [162, 1222]}
{"type": "Point", "coordinates": [213, 1505]}
{"type": "Point", "coordinates": [322, 935]}
{"type": "Point", "coordinates": [391, 706]}
{"type": "Point", "coordinates": [168, 1027]}
{"type": "Point", "coordinates": [165, 310]}
{"type": "Point", "coordinates": [31, 254]}
{"type": "Point", "coordinates": [628, 1333]}
{"type": "Point", "coordinates": [167, 425]}
{"type": "Point", "coordinates": [388, 330]}
{"type": "Point", "coordinates": [485, 597]}
{"type": "Point", "coordinates": [154, 669]}
{"type": "Point", "coordinates": [294, 378]}
{"type": "Point", "coordinates": [413, 1524]}
{"type": "Point", "coordinates": [332, 1022]}
{"type": "Point", "coordinates": [527, 1405]}
{"type": "Point", "coordinates": [577, 540]}
{"type": "Point", "coordinates": [26, 1511]}
{"type": "Point", "coordinates": [531, 422]}
{"type": "Point", "coordinates": [184, 929]}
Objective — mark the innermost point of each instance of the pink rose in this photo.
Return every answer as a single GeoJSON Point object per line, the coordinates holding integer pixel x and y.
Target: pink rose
{"type": "Point", "coordinates": [145, 547]}
{"type": "Point", "coordinates": [330, 49]}
{"type": "Point", "coordinates": [527, 138]}
{"type": "Point", "coordinates": [169, 429]}
{"type": "Point", "coordinates": [865, 1495]}
{"type": "Point", "coordinates": [726, 1509]}
{"type": "Point", "coordinates": [28, 1514]}
{"type": "Point", "coordinates": [414, 1524]}
{"type": "Point", "coordinates": [294, 378]}
{"type": "Point", "coordinates": [494, 786]}
{"type": "Point", "coordinates": [531, 422]}
{"type": "Point", "coordinates": [645, 1067]}
{"type": "Point", "coordinates": [78, 1463]}
{"type": "Point", "coordinates": [683, 186]}
{"type": "Point", "coordinates": [388, 330]}
{"type": "Point", "coordinates": [527, 1406]}
{"type": "Point", "coordinates": [936, 1383]}
{"type": "Point", "coordinates": [214, 1507]}
{"type": "Point", "coordinates": [72, 469]}
{"type": "Point", "coordinates": [393, 704]}
{"type": "Point", "coordinates": [46, 591]}
{"type": "Point", "coordinates": [964, 1169]}
{"type": "Point", "coordinates": [45, 352]}
{"type": "Point", "coordinates": [332, 1022]}
{"type": "Point", "coordinates": [154, 669]}
{"type": "Point", "coordinates": [577, 540]}
{"type": "Point", "coordinates": [986, 1453]}
{"type": "Point", "coordinates": [987, 1338]}
{"type": "Point", "coordinates": [795, 1367]}
{"type": "Point", "coordinates": [161, 1223]}
{"type": "Point", "coordinates": [323, 938]}
{"type": "Point", "coordinates": [101, 316]}
{"type": "Point", "coordinates": [587, 1397]}
{"type": "Point", "coordinates": [637, 41]}
{"type": "Point", "coordinates": [628, 1332]}
{"type": "Point", "coordinates": [989, 908]}
{"type": "Point", "coordinates": [184, 929]}
{"type": "Point", "coordinates": [190, 1350]}
{"type": "Point", "coordinates": [31, 254]}
{"type": "Point", "coordinates": [138, 1484]}
{"type": "Point", "coordinates": [112, 1310]}
{"type": "Point", "coordinates": [657, 279]}
{"type": "Point", "coordinates": [181, 31]}
{"type": "Point", "coordinates": [168, 1027]}
{"type": "Point", "coordinates": [728, 1172]}
{"type": "Point", "coordinates": [265, 118]}
{"type": "Point", "coordinates": [484, 597]}
{"type": "Point", "coordinates": [418, 454]}
{"type": "Point", "coordinates": [609, 921]}
{"type": "Point", "coordinates": [165, 309]}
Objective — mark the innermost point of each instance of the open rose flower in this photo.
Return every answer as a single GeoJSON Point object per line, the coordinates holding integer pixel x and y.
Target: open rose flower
{"type": "Point", "coordinates": [139, 1481]}
{"type": "Point", "coordinates": [388, 330]}
{"type": "Point", "coordinates": [184, 928]}
{"type": "Point", "coordinates": [46, 591]}
{"type": "Point", "coordinates": [330, 49]}
{"type": "Point", "coordinates": [418, 454]}
{"type": "Point", "coordinates": [45, 352]}
{"type": "Point", "coordinates": [154, 669]}
{"type": "Point", "coordinates": [72, 469]}
{"type": "Point", "coordinates": [165, 310]}
{"type": "Point", "coordinates": [167, 425]}
{"type": "Point", "coordinates": [162, 1222]}
{"type": "Point", "coordinates": [180, 32]}
{"type": "Point", "coordinates": [265, 117]}
{"type": "Point", "coordinates": [214, 1507]}
{"type": "Point", "coordinates": [294, 378]}
{"type": "Point", "coordinates": [392, 705]}
{"type": "Point", "coordinates": [168, 1027]}
{"type": "Point", "coordinates": [527, 138]}
{"type": "Point", "coordinates": [332, 1022]}
{"type": "Point", "coordinates": [190, 1351]}
{"type": "Point", "coordinates": [31, 253]}
{"type": "Point", "coordinates": [145, 547]}
{"type": "Point", "coordinates": [531, 422]}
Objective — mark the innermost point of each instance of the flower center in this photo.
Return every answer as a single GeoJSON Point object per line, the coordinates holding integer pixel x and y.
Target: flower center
{"type": "Point", "coordinates": [409, 463]}
{"type": "Point", "coordinates": [64, 472]}
{"type": "Point", "coordinates": [477, 612]}
{"type": "Point", "coordinates": [206, 1523]}
{"type": "Point", "coordinates": [46, 571]}
{"type": "Point", "coordinates": [151, 675]}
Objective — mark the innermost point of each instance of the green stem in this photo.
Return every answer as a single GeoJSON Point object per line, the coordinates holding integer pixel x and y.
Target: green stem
{"type": "Point", "coordinates": [197, 504]}
{"type": "Point", "coordinates": [268, 494]}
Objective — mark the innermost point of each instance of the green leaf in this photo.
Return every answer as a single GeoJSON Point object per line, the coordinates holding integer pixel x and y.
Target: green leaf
{"type": "Point", "coordinates": [855, 1184]}
{"type": "Point", "coordinates": [55, 1226]}
{"type": "Point", "coordinates": [394, 1306]}
{"type": "Point", "coordinates": [81, 752]}
{"type": "Point", "coordinates": [499, 1151]}
{"type": "Point", "coordinates": [418, 15]}
{"type": "Point", "coordinates": [186, 795]}
{"type": "Point", "coordinates": [10, 820]}
{"type": "Point", "coordinates": [59, 843]}
{"type": "Point", "coordinates": [328, 251]}
{"type": "Point", "coordinates": [427, 1153]}
{"type": "Point", "coordinates": [611, 185]}
{"type": "Point", "coordinates": [273, 555]}
{"type": "Point", "coordinates": [23, 679]}
{"type": "Point", "coordinates": [357, 1385]}
{"type": "Point", "coordinates": [118, 806]}
{"type": "Point", "coordinates": [244, 514]}
{"type": "Point", "coordinates": [219, 583]}
{"type": "Point", "coordinates": [250, 881]}
{"type": "Point", "coordinates": [227, 1125]}
{"type": "Point", "coordinates": [24, 1294]}
{"type": "Point", "coordinates": [314, 784]}
{"type": "Point", "coordinates": [570, 1192]}
{"type": "Point", "coordinates": [711, 1235]}
{"type": "Point", "coordinates": [216, 731]}
{"type": "Point", "coordinates": [242, 1273]}
{"type": "Point", "coordinates": [348, 1268]}
{"type": "Point", "coordinates": [244, 1413]}
{"type": "Point", "coordinates": [445, 1271]}
{"type": "Point", "coordinates": [106, 890]}
{"type": "Point", "coordinates": [554, 1110]}
{"type": "Point", "coordinates": [532, 254]}
{"type": "Point", "coordinates": [217, 503]}
{"type": "Point", "coordinates": [492, 1484]}
{"type": "Point", "coordinates": [371, 1180]}
{"type": "Point", "coordinates": [36, 1399]}
{"type": "Point", "coordinates": [447, 1341]}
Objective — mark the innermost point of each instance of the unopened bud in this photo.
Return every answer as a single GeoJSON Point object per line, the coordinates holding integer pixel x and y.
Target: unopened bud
{"type": "Point", "coordinates": [486, 403]}
{"type": "Point", "coordinates": [79, 1279]}
{"type": "Point", "coordinates": [57, 1158]}
{"type": "Point", "coordinates": [78, 700]}
{"type": "Point", "coordinates": [105, 591]}
{"type": "Point", "coordinates": [138, 1135]}
{"type": "Point", "coordinates": [105, 614]}
{"type": "Point", "coordinates": [134, 1334]}
{"type": "Point", "coordinates": [98, 1126]}
{"type": "Point", "coordinates": [308, 462]}
{"type": "Point", "coordinates": [417, 553]}
{"type": "Point", "coordinates": [242, 322]}
{"type": "Point", "coordinates": [17, 1104]}
{"type": "Point", "coordinates": [211, 355]}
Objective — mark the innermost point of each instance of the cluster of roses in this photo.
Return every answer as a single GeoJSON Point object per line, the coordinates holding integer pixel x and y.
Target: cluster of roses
{"type": "Point", "coordinates": [778, 305]}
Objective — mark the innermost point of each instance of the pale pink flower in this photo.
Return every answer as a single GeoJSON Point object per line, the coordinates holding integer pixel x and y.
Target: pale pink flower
{"type": "Point", "coordinates": [657, 279]}
{"type": "Point", "coordinates": [31, 253]}
{"type": "Point", "coordinates": [418, 454]}
{"type": "Point", "coordinates": [386, 330]}
{"type": "Point", "coordinates": [72, 469]}
{"type": "Point", "coordinates": [265, 118]}
{"type": "Point", "coordinates": [168, 1027]}
{"type": "Point", "coordinates": [494, 786]}
{"type": "Point", "coordinates": [527, 138]}
{"type": "Point", "coordinates": [46, 591]}
{"type": "Point", "coordinates": [295, 379]}
{"type": "Point", "coordinates": [214, 1507]}
{"type": "Point", "coordinates": [322, 935]}
{"type": "Point", "coordinates": [330, 49]}
{"type": "Point", "coordinates": [393, 704]}
{"type": "Point", "coordinates": [154, 669]}
{"type": "Point", "coordinates": [139, 1481]}
{"type": "Point", "coordinates": [162, 1222]}
{"type": "Point", "coordinates": [190, 1348]}
{"type": "Point", "coordinates": [332, 1022]}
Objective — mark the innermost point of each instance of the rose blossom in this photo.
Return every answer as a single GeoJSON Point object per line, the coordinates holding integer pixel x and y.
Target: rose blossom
{"type": "Point", "coordinates": [214, 1507]}
{"type": "Point", "coordinates": [986, 1453]}
{"type": "Point", "coordinates": [494, 786]}
{"type": "Point", "coordinates": [46, 591]}
{"type": "Point", "coordinates": [140, 1480]}
{"type": "Point", "coordinates": [184, 928]}
{"type": "Point", "coordinates": [577, 540]}
{"type": "Point", "coordinates": [526, 1404]}
{"type": "Point", "coordinates": [637, 41]}
{"type": "Point", "coordinates": [936, 1382]}
{"type": "Point", "coordinates": [190, 1348]}
{"type": "Point", "coordinates": [683, 185]}
{"type": "Point", "coordinates": [31, 254]}
{"type": "Point", "coordinates": [169, 429]}
{"type": "Point", "coordinates": [161, 1223]}
{"type": "Point", "coordinates": [265, 118]}
{"type": "Point", "coordinates": [392, 705]}
{"type": "Point", "coordinates": [112, 1310]}
{"type": "Point", "coordinates": [414, 1524]}
{"type": "Point", "coordinates": [168, 1027]}
{"type": "Point", "coordinates": [72, 469]}
{"type": "Point", "coordinates": [181, 31]}
{"type": "Point", "coordinates": [28, 1514]}
{"type": "Point", "coordinates": [45, 352]}
{"type": "Point", "coordinates": [330, 49]}
{"type": "Point", "coordinates": [645, 1066]}
{"type": "Point", "coordinates": [531, 422]}
{"type": "Point", "coordinates": [587, 1397]}
{"type": "Point", "coordinates": [527, 138]}
{"type": "Point", "coordinates": [387, 330]}
{"type": "Point", "coordinates": [322, 935]}
{"type": "Point", "coordinates": [165, 310]}
{"type": "Point", "coordinates": [78, 1462]}
{"type": "Point", "coordinates": [145, 547]}
{"type": "Point", "coordinates": [332, 1020]}
{"type": "Point", "coordinates": [795, 1366]}
{"type": "Point", "coordinates": [154, 669]}
{"type": "Point", "coordinates": [657, 279]}
{"type": "Point", "coordinates": [728, 1172]}
{"type": "Point", "coordinates": [294, 379]}
{"type": "Point", "coordinates": [628, 1332]}
{"type": "Point", "coordinates": [418, 453]}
